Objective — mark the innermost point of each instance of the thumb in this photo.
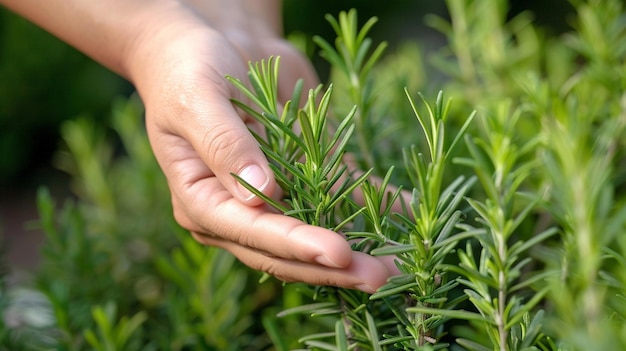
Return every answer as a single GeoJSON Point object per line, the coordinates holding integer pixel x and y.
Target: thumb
{"type": "Point", "coordinates": [227, 147]}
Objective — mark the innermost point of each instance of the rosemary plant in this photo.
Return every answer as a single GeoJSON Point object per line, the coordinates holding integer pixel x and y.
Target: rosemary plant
{"type": "Point", "coordinates": [309, 167]}
{"type": "Point", "coordinates": [317, 184]}
{"type": "Point", "coordinates": [351, 56]}
{"type": "Point", "coordinates": [430, 234]}
{"type": "Point", "coordinates": [421, 244]}
{"type": "Point", "coordinates": [585, 122]}
{"type": "Point", "coordinates": [496, 281]}
{"type": "Point", "coordinates": [494, 229]}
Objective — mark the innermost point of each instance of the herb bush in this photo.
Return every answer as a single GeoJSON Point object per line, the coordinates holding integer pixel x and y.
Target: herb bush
{"type": "Point", "coordinates": [510, 175]}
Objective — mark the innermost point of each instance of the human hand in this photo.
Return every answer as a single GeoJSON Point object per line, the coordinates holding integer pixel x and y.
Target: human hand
{"type": "Point", "coordinates": [200, 138]}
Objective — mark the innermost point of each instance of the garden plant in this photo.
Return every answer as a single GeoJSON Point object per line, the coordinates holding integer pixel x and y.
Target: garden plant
{"type": "Point", "coordinates": [500, 190]}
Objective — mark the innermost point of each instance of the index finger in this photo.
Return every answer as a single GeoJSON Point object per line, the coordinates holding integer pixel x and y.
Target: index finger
{"type": "Point", "coordinates": [210, 209]}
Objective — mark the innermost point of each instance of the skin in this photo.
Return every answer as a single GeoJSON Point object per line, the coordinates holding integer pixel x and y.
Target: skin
{"type": "Point", "coordinates": [176, 53]}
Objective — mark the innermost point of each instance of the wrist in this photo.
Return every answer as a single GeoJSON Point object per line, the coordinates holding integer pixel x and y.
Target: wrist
{"type": "Point", "coordinates": [157, 36]}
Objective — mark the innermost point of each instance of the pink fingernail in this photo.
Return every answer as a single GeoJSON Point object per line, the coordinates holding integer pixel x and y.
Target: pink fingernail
{"type": "Point", "coordinates": [254, 176]}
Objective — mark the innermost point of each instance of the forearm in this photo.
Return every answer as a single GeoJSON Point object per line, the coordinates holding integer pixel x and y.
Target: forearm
{"type": "Point", "coordinates": [103, 30]}
{"type": "Point", "coordinates": [110, 31]}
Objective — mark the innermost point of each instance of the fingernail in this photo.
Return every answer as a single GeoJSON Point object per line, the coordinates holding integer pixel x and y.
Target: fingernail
{"type": "Point", "coordinates": [324, 260]}
{"type": "Point", "coordinates": [254, 176]}
{"type": "Point", "coordinates": [365, 288]}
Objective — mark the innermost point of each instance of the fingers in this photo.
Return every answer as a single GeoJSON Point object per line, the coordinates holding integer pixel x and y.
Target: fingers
{"type": "Point", "coordinates": [276, 235]}
{"type": "Point", "coordinates": [365, 273]}
{"type": "Point", "coordinates": [203, 205]}
{"type": "Point", "coordinates": [279, 245]}
{"type": "Point", "coordinates": [265, 240]}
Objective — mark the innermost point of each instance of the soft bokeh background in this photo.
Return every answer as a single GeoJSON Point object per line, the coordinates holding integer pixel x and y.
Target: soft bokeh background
{"type": "Point", "coordinates": [44, 82]}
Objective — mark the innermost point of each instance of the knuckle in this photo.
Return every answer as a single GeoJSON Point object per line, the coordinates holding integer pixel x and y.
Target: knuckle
{"type": "Point", "coordinates": [268, 265]}
{"type": "Point", "coordinates": [220, 144]}
{"type": "Point", "coordinates": [272, 267]}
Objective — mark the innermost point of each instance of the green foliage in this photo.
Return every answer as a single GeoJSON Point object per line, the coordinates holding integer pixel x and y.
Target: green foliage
{"type": "Point", "coordinates": [113, 334]}
{"type": "Point", "coordinates": [502, 202]}
{"type": "Point", "coordinates": [350, 57]}
{"type": "Point", "coordinates": [118, 272]}
{"type": "Point", "coordinates": [308, 166]}
{"type": "Point", "coordinates": [535, 132]}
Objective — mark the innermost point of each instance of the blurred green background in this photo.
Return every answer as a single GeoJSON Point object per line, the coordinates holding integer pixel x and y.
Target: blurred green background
{"type": "Point", "coordinates": [44, 81]}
